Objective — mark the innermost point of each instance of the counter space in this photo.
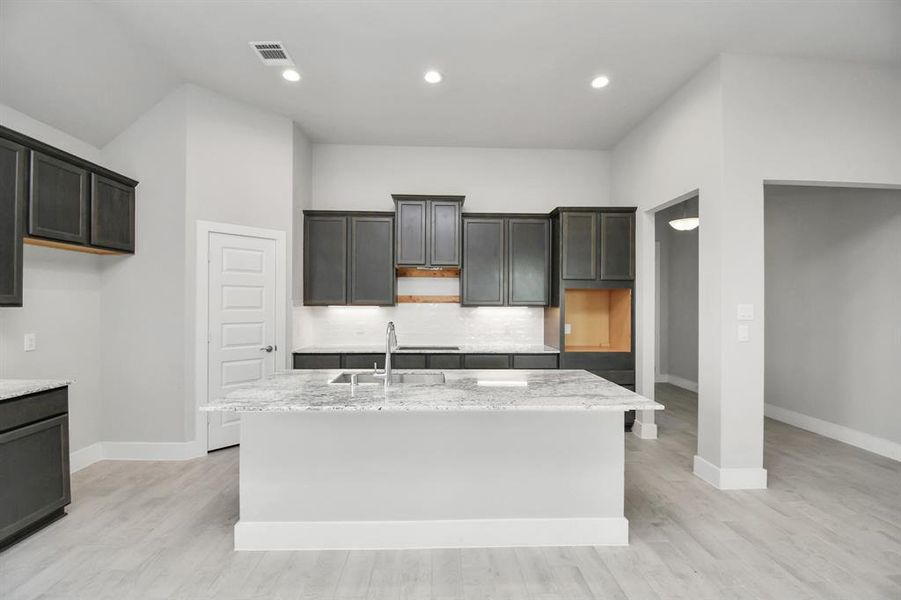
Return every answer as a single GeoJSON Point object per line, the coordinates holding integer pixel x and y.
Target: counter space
{"type": "Point", "coordinates": [464, 390]}
{"type": "Point", "coordinates": [13, 388]}
{"type": "Point", "coordinates": [462, 349]}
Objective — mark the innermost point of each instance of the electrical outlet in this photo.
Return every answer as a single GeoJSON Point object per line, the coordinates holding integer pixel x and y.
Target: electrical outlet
{"type": "Point", "coordinates": [31, 342]}
{"type": "Point", "coordinates": [744, 333]}
{"type": "Point", "coordinates": [745, 312]}
{"type": "Point", "coordinates": [567, 329]}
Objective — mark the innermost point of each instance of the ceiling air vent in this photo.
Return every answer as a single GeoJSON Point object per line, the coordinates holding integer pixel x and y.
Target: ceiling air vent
{"type": "Point", "coordinates": [273, 54]}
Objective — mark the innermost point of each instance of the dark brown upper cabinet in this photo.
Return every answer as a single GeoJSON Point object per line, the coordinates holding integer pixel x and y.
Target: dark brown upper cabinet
{"type": "Point", "coordinates": [324, 259]}
{"type": "Point", "coordinates": [617, 246]}
{"type": "Point", "coordinates": [428, 230]}
{"type": "Point", "coordinates": [69, 202]}
{"type": "Point", "coordinates": [13, 186]}
{"type": "Point", "coordinates": [112, 214]}
{"type": "Point", "coordinates": [58, 200]}
{"type": "Point", "coordinates": [482, 282]}
{"type": "Point", "coordinates": [348, 258]}
{"type": "Point", "coordinates": [506, 260]}
{"type": "Point", "coordinates": [372, 278]}
{"type": "Point", "coordinates": [444, 233]}
{"type": "Point", "coordinates": [528, 261]}
{"type": "Point", "coordinates": [597, 245]}
{"type": "Point", "coordinates": [411, 232]}
{"type": "Point", "coordinates": [580, 245]}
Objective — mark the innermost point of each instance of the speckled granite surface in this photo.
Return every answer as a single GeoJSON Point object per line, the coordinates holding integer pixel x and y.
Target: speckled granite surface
{"type": "Point", "coordinates": [461, 349]}
{"type": "Point", "coordinates": [13, 388]}
{"type": "Point", "coordinates": [487, 390]}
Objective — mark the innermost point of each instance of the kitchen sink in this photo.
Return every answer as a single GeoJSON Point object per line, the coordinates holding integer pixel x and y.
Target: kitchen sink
{"type": "Point", "coordinates": [396, 378]}
{"type": "Point", "coordinates": [430, 348]}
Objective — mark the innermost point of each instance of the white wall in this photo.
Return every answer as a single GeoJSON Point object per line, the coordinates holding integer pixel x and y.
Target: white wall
{"type": "Point", "coordinates": [492, 179]}
{"type": "Point", "coordinates": [673, 153]}
{"type": "Point", "coordinates": [61, 306]}
{"type": "Point", "coordinates": [833, 338]}
{"type": "Point", "coordinates": [303, 199]}
{"type": "Point", "coordinates": [678, 354]}
{"type": "Point", "coordinates": [146, 382]}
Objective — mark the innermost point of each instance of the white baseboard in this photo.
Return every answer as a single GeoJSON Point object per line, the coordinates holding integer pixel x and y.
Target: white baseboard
{"type": "Point", "coordinates": [396, 535]}
{"type": "Point", "coordinates": [646, 431]}
{"type": "Point", "coordinates": [685, 384]}
{"type": "Point", "coordinates": [853, 437]}
{"type": "Point", "coordinates": [98, 451]}
{"type": "Point", "coordinates": [730, 478]}
{"type": "Point", "coordinates": [85, 457]}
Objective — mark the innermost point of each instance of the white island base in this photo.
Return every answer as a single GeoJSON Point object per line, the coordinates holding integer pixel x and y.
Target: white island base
{"type": "Point", "coordinates": [430, 479]}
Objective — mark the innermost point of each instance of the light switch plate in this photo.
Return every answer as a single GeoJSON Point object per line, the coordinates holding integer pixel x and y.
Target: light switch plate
{"type": "Point", "coordinates": [745, 312]}
{"type": "Point", "coordinates": [31, 342]}
{"type": "Point", "coordinates": [744, 333]}
{"type": "Point", "coordinates": [567, 329]}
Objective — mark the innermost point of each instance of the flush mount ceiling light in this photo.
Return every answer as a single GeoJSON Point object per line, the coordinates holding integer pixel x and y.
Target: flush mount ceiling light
{"type": "Point", "coordinates": [433, 76]}
{"type": "Point", "coordinates": [601, 81]}
{"type": "Point", "coordinates": [291, 75]}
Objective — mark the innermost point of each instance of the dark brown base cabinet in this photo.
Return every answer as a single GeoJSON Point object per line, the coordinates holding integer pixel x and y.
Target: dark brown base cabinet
{"type": "Point", "coordinates": [34, 462]}
{"type": "Point", "coordinates": [425, 361]}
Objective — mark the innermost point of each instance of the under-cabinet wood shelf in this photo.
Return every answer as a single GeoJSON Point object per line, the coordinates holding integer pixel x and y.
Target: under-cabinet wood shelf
{"type": "Point", "coordinates": [450, 273]}
{"type": "Point", "coordinates": [32, 241]}
{"type": "Point", "coordinates": [428, 299]}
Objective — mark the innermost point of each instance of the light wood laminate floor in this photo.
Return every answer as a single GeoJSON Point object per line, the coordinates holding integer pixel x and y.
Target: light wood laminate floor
{"type": "Point", "coordinates": [829, 526]}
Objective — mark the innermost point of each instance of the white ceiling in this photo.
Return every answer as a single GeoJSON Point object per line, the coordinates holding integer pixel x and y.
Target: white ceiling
{"type": "Point", "coordinates": [516, 73]}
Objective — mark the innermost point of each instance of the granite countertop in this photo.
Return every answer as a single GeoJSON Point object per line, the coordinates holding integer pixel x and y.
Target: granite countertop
{"type": "Point", "coordinates": [487, 390]}
{"type": "Point", "coordinates": [13, 388]}
{"type": "Point", "coordinates": [418, 349]}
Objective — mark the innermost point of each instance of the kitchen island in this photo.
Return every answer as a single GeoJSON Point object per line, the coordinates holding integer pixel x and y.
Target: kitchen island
{"type": "Point", "coordinates": [486, 458]}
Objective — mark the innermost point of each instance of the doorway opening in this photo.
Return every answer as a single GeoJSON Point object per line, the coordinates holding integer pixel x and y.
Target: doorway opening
{"type": "Point", "coordinates": [676, 231]}
{"type": "Point", "coordinates": [833, 334]}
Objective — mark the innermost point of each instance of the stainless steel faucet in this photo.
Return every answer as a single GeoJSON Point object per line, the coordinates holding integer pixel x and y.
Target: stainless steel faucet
{"type": "Point", "coordinates": [390, 346]}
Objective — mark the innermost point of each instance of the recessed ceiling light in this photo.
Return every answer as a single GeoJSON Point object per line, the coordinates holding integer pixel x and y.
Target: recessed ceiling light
{"type": "Point", "coordinates": [600, 81]}
{"type": "Point", "coordinates": [433, 76]}
{"type": "Point", "coordinates": [291, 75]}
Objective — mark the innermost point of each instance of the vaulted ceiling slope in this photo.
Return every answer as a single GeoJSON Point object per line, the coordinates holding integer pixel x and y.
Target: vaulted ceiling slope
{"type": "Point", "coordinates": [516, 73]}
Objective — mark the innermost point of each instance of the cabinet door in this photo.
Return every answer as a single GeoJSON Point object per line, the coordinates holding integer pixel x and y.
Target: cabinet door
{"type": "Point", "coordinates": [317, 361]}
{"type": "Point", "coordinates": [617, 246]}
{"type": "Point", "coordinates": [528, 262]}
{"type": "Point", "coordinates": [324, 260]}
{"type": "Point", "coordinates": [13, 180]}
{"type": "Point", "coordinates": [580, 249]}
{"type": "Point", "coordinates": [58, 206]}
{"type": "Point", "coordinates": [410, 233]}
{"type": "Point", "coordinates": [112, 214]}
{"type": "Point", "coordinates": [483, 262]}
{"type": "Point", "coordinates": [444, 228]}
{"type": "Point", "coordinates": [34, 476]}
{"type": "Point", "coordinates": [372, 274]}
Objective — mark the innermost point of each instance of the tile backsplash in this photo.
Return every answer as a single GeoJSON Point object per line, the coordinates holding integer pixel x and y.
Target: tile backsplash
{"type": "Point", "coordinates": [418, 324]}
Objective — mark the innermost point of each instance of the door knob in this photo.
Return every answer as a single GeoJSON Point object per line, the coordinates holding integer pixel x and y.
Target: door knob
{"type": "Point", "coordinates": [267, 349]}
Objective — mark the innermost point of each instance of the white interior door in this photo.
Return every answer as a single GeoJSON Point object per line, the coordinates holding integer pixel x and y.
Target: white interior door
{"type": "Point", "coordinates": [242, 339]}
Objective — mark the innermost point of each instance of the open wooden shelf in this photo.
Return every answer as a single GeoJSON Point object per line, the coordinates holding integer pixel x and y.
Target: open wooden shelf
{"type": "Point", "coordinates": [600, 320]}
{"type": "Point", "coordinates": [428, 299]}
{"type": "Point", "coordinates": [449, 272]}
